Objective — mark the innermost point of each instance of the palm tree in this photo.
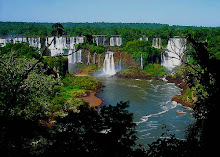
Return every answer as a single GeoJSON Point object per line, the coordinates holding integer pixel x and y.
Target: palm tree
{"type": "Point", "coordinates": [58, 30]}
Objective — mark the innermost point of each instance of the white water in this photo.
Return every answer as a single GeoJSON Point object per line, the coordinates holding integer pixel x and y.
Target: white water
{"type": "Point", "coordinates": [115, 41]}
{"type": "Point", "coordinates": [174, 53]}
{"type": "Point", "coordinates": [156, 43]}
{"type": "Point", "coordinates": [58, 46]}
{"type": "Point", "coordinates": [34, 42]}
{"type": "Point", "coordinates": [165, 109]}
{"type": "Point", "coordinates": [100, 40]}
{"type": "Point", "coordinates": [109, 65]}
{"type": "Point", "coordinates": [142, 62]}
{"type": "Point", "coordinates": [88, 62]}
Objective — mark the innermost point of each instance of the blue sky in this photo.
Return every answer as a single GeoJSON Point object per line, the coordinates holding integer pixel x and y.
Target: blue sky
{"type": "Point", "coordinates": [173, 12]}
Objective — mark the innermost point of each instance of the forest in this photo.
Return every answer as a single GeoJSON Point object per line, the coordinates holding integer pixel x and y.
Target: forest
{"type": "Point", "coordinates": [42, 112]}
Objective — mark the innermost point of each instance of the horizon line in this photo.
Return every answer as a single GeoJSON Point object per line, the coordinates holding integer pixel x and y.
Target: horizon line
{"type": "Point", "coordinates": [170, 25]}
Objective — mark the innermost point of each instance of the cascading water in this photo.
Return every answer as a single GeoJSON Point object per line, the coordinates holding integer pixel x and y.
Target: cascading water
{"type": "Point", "coordinates": [142, 62]}
{"type": "Point", "coordinates": [173, 55]}
{"type": "Point", "coordinates": [88, 62]}
{"type": "Point", "coordinates": [109, 65]}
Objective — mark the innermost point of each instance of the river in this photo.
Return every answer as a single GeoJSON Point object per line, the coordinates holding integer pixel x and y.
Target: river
{"type": "Point", "coordinates": [151, 105]}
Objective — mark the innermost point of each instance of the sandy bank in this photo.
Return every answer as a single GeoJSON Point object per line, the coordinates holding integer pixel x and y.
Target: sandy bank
{"type": "Point", "coordinates": [92, 99]}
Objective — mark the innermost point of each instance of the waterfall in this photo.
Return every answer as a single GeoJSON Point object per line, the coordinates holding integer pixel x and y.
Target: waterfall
{"type": "Point", "coordinates": [142, 62]}
{"type": "Point", "coordinates": [70, 56]}
{"type": "Point", "coordinates": [109, 65]}
{"type": "Point", "coordinates": [79, 56]}
{"type": "Point", "coordinates": [172, 57]}
{"type": "Point", "coordinates": [115, 40]}
{"type": "Point", "coordinates": [88, 62]}
{"type": "Point", "coordinates": [74, 58]}
{"type": "Point", "coordinates": [156, 43]}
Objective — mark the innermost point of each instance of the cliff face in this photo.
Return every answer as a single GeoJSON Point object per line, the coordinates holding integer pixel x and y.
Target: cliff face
{"type": "Point", "coordinates": [92, 62]}
{"type": "Point", "coordinates": [126, 59]}
{"type": "Point", "coordinates": [98, 59]}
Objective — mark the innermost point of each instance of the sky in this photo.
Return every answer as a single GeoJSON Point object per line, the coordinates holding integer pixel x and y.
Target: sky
{"type": "Point", "coordinates": [172, 12]}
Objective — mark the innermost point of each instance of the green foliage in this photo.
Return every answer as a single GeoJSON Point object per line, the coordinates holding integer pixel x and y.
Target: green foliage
{"type": "Point", "coordinates": [21, 49]}
{"type": "Point", "coordinates": [137, 47]}
{"type": "Point", "coordinates": [58, 30]}
{"type": "Point", "coordinates": [129, 31]}
{"type": "Point", "coordinates": [97, 49]}
{"type": "Point", "coordinates": [132, 72]}
{"type": "Point", "coordinates": [85, 69]}
{"type": "Point", "coordinates": [84, 132]}
{"type": "Point", "coordinates": [71, 91]}
{"type": "Point", "coordinates": [151, 71]}
{"type": "Point", "coordinates": [22, 93]}
{"type": "Point", "coordinates": [155, 70]}
{"type": "Point", "coordinates": [187, 95]}
{"type": "Point", "coordinates": [58, 64]}
{"type": "Point", "coordinates": [85, 82]}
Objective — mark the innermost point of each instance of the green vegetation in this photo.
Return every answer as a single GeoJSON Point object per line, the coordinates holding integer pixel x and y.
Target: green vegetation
{"type": "Point", "coordinates": [91, 47]}
{"type": "Point", "coordinates": [25, 89]}
{"type": "Point", "coordinates": [82, 69]}
{"type": "Point", "coordinates": [69, 94]}
{"type": "Point", "coordinates": [155, 70]}
{"type": "Point", "coordinates": [151, 71]}
{"type": "Point", "coordinates": [21, 49]}
{"type": "Point", "coordinates": [42, 114]}
{"type": "Point", "coordinates": [59, 65]}
{"type": "Point", "coordinates": [187, 96]}
{"type": "Point", "coordinates": [128, 31]}
{"type": "Point", "coordinates": [149, 54]}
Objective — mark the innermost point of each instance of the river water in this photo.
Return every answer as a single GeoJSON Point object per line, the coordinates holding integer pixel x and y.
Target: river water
{"type": "Point", "coordinates": [150, 102]}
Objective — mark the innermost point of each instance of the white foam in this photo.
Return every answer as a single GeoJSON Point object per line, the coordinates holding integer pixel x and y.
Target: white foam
{"type": "Point", "coordinates": [166, 109]}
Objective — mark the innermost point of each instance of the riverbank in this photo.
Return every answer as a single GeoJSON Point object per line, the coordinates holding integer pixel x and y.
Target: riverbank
{"type": "Point", "coordinates": [91, 96]}
{"type": "Point", "coordinates": [185, 98]}
{"type": "Point", "coordinates": [92, 99]}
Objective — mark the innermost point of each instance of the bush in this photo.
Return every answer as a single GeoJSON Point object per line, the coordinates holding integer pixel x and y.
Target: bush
{"type": "Point", "coordinates": [155, 70]}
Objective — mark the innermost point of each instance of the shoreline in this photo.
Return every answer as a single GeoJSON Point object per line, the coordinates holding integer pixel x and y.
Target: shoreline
{"type": "Point", "coordinates": [177, 81]}
{"type": "Point", "coordinates": [92, 99]}
{"type": "Point", "coordinates": [182, 85]}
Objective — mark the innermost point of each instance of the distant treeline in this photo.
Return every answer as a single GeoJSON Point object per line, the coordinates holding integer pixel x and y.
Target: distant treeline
{"type": "Point", "coordinates": [128, 31]}
{"type": "Point", "coordinates": [133, 30]}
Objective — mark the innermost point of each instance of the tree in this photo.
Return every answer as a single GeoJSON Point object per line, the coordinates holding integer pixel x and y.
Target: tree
{"type": "Point", "coordinates": [58, 30]}
{"type": "Point", "coordinates": [108, 132]}
{"type": "Point", "coordinates": [137, 47]}
{"type": "Point", "coordinates": [24, 87]}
